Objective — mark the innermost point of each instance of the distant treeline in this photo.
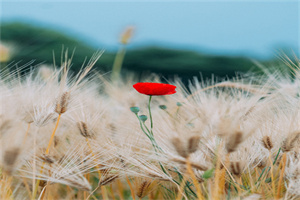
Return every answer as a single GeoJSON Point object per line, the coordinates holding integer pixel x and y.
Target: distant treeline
{"type": "Point", "coordinates": [38, 44]}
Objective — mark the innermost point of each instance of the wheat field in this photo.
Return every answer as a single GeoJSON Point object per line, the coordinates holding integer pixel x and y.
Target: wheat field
{"type": "Point", "coordinates": [84, 136]}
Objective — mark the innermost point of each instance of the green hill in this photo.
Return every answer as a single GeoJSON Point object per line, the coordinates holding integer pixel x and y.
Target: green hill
{"type": "Point", "coordinates": [35, 43]}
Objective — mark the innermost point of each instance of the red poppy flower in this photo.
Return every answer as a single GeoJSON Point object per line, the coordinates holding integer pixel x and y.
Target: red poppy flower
{"type": "Point", "coordinates": [155, 89]}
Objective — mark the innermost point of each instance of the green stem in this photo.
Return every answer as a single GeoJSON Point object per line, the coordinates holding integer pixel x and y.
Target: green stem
{"type": "Point", "coordinates": [153, 142]}
{"type": "Point", "coordinates": [155, 145]}
{"type": "Point", "coordinates": [141, 125]}
{"type": "Point", "coordinates": [262, 173]}
{"type": "Point", "coordinates": [277, 156]}
{"type": "Point", "coordinates": [150, 115]}
{"type": "Point", "coordinates": [229, 190]}
{"type": "Point", "coordinates": [146, 127]}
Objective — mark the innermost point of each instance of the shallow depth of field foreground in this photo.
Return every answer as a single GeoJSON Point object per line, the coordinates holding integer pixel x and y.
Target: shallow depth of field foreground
{"type": "Point", "coordinates": [83, 136]}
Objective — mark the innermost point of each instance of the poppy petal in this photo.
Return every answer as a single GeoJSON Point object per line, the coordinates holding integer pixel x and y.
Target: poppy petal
{"type": "Point", "coordinates": [155, 89]}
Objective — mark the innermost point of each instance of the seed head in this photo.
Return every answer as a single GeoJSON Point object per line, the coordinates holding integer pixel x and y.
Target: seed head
{"type": "Point", "coordinates": [126, 35]}
{"type": "Point", "coordinates": [179, 147]}
{"type": "Point", "coordinates": [47, 158]}
{"type": "Point", "coordinates": [233, 141]}
{"type": "Point", "coordinates": [266, 140]}
{"type": "Point", "coordinates": [193, 144]}
{"type": "Point", "coordinates": [143, 189]}
{"type": "Point", "coordinates": [10, 158]}
{"type": "Point", "coordinates": [289, 143]}
{"type": "Point", "coordinates": [108, 179]}
{"type": "Point", "coordinates": [236, 168]}
{"type": "Point", "coordinates": [84, 130]}
{"type": "Point", "coordinates": [62, 103]}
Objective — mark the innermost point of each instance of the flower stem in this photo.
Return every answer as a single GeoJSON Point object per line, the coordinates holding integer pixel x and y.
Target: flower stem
{"type": "Point", "coordinates": [150, 115]}
{"type": "Point", "coordinates": [154, 143]}
{"type": "Point", "coordinates": [151, 138]}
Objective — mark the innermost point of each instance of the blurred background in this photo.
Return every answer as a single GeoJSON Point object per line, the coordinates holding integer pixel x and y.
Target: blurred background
{"type": "Point", "coordinates": [184, 38]}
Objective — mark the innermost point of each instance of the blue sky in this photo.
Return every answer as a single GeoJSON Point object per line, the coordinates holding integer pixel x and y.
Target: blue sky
{"type": "Point", "coordinates": [256, 28]}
